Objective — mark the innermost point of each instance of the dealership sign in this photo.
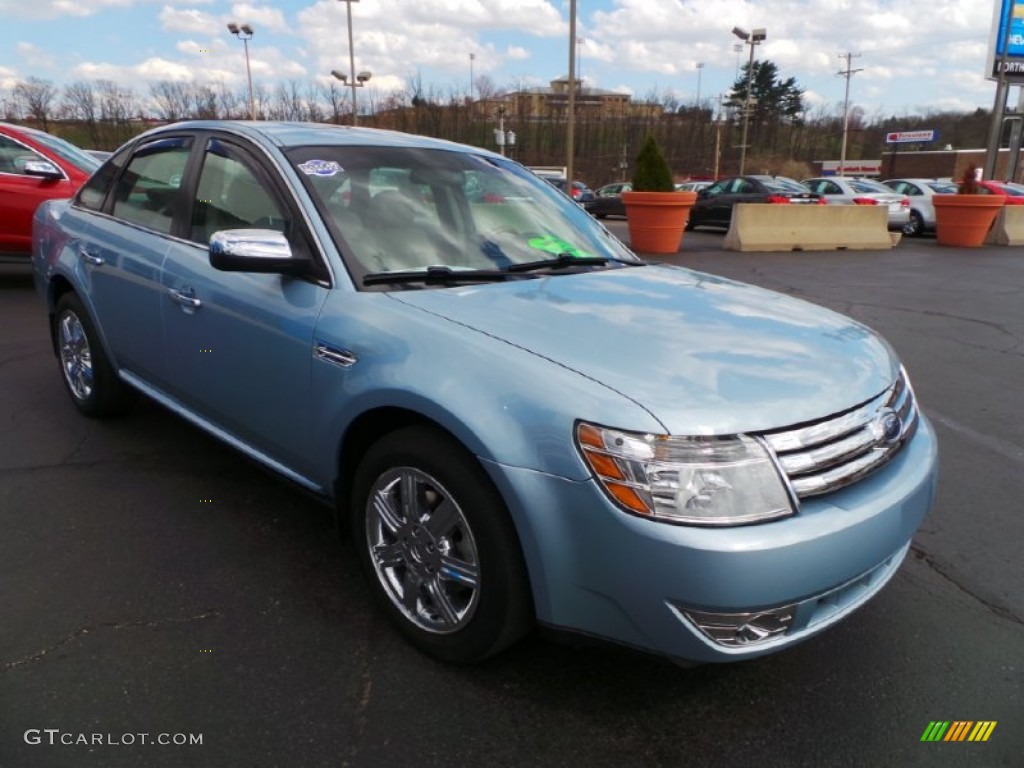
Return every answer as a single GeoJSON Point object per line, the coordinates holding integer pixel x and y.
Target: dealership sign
{"type": "Point", "coordinates": [910, 137]}
{"type": "Point", "coordinates": [1007, 31]}
{"type": "Point", "coordinates": [851, 168]}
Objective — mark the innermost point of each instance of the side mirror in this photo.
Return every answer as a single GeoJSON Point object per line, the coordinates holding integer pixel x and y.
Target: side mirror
{"type": "Point", "coordinates": [703, 193]}
{"type": "Point", "coordinates": [43, 169]}
{"type": "Point", "coordinates": [254, 250]}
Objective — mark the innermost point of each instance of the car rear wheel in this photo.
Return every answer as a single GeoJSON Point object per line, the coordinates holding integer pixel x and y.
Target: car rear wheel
{"type": "Point", "coordinates": [439, 547]}
{"type": "Point", "coordinates": [914, 226]}
{"type": "Point", "coordinates": [88, 376]}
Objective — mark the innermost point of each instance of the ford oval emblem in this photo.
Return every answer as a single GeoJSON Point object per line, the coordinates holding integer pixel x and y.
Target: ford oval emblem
{"type": "Point", "coordinates": [887, 426]}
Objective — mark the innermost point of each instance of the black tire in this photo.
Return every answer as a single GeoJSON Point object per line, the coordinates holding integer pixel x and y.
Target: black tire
{"type": "Point", "coordinates": [451, 576]}
{"type": "Point", "coordinates": [914, 226]}
{"type": "Point", "coordinates": [690, 226]}
{"type": "Point", "coordinates": [88, 376]}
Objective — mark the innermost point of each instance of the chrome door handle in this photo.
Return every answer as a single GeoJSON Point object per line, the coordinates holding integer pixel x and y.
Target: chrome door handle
{"type": "Point", "coordinates": [89, 256]}
{"type": "Point", "coordinates": [185, 299]}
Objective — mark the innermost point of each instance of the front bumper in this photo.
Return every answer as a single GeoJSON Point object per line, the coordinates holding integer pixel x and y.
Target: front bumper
{"type": "Point", "coordinates": [602, 572]}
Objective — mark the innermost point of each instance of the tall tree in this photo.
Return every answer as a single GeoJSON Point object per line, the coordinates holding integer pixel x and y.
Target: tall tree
{"type": "Point", "coordinates": [37, 98]}
{"type": "Point", "coordinates": [775, 102]}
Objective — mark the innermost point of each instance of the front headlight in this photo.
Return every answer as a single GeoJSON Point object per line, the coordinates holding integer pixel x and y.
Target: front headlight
{"type": "Point", "coordinates": [696, 480]}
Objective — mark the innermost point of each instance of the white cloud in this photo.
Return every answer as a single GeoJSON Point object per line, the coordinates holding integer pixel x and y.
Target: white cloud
{"type": "Point", "coordinates": [52, 9]}
{"type": "Point", "coordinates": [189, 20]}
{"type": "Point", "coordinates": [261, 17]}
{"type": "Point", "coordinates": [33, 58]}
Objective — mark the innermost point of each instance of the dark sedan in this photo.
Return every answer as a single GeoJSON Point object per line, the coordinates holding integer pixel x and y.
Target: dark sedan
{"type": "Point", "coordinates": [713, 207]}
{"type": "Point", "coordinates": [581, 193]}
{"type": "Point", "coordinates": [608, 200]}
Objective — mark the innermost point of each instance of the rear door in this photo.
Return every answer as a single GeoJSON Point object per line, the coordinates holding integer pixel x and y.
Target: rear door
{"type": "Point", "coordinates": [128, 236]}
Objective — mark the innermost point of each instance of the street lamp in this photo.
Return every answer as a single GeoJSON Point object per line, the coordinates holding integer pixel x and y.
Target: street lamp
{"type": "Point", "coordinates": [502, 137]}
{"type": "Point", "coordinates": [700, 70]}
{"type": "Point", "coordinates": [244, 32]}
{"type": "Point", "coordinates": [751, 39]}
{"type": "Point", "coordinates": [356, 82]}
{"type": "Point", "coordinates": [353, 79]}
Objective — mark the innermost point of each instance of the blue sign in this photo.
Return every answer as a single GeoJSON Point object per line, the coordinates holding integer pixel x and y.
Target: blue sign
{"type": "Point", "coordinates": [1008, 34]}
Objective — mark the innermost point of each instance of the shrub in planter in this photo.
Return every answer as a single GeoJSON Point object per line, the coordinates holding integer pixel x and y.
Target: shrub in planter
{"type": "Point", "coordinates": [655, 211]}
{"type": "Point", "coordinates": [965, 218]}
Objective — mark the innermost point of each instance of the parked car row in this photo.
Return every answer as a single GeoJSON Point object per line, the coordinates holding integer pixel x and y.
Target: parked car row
{"type": "Point", "coordinates": [908, 201]}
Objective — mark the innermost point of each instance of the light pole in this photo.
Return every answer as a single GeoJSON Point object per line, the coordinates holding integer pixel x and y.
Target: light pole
{"type": "Point", "coordinates": [847, 73]}
{"type": "Point", "coordinates": [244, 32]}
{"type": "Point", "coordinates": [751, 39]}
{"type": "Point", "coordinates": [502, 137]}
{"type": "Point", "coordinates": [353, 79]}
{"type": "Point", "coordinates": [570, 117]}
{"type": "Point", "coordinates": [472, 58]}
{"type": "Point", "coordinates": [700, 71]}
{"type": "Point", "coordinates": [358, 81]}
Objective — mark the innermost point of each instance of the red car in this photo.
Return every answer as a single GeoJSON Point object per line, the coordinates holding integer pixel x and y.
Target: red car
{"type": "Point", "coordinates": [1014, 194]}
{"type": "Point", "coordinates": [34, 166]}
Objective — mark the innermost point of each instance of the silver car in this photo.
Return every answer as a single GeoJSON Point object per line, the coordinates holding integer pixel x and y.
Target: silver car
{"type": "Point", "coordinates": [922, 210]}
{"type": "Point", "coordinates": [843, 190]}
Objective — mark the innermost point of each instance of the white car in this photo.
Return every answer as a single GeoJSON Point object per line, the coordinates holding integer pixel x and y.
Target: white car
{"type": "Point", "coordinates": [844, 190]}
{"type": "Point", "coordinates": [922, 210]}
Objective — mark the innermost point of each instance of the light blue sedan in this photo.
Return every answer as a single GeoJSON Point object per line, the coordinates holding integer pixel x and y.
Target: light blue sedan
{"type": "Point", "coordinates": [520, 421]}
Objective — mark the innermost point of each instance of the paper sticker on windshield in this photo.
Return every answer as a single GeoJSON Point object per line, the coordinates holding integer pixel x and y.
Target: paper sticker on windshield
{"type": "Point", "coordinates": [552, 244]}
{"type": "Point", "coordinates": [320, 168]}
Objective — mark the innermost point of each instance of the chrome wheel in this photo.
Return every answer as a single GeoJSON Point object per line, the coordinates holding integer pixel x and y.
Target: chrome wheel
{"type": "Point", "coordinates": [75, 356]}
{"type": "Point", "coordinates": [422, 550]}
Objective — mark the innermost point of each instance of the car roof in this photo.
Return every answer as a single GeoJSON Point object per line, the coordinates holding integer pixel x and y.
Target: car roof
{"type": "Point", "coordinates": [287, 134]}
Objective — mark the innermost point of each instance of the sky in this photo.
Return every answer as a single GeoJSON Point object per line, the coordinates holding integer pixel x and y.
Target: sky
{"type": "Point", "coordinates": [913, 56]}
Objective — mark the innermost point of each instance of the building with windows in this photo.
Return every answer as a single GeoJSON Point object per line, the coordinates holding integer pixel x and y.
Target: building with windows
{"type": "Point", "coordinates": [551, 102]}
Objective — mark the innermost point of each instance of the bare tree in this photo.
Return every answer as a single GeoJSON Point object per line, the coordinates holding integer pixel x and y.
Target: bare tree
{"type": "Point", "coordinates": [314, 108]}
{"type": "Point", "coordinates": [261, 98]}
{"type": "Point", "coordinates": [118, 106]}
{"type": "Point", "coordinates": [37, 97]}
{"type": "Point", "coordinates": [230, 104]}
{"type": "Point", "coordinates": [205, 100]}
{"type": "Point", "coordinates": [79, 103]}
{"type": "Point", "coordinates": [173, 99]}
{"type": "Point", "coordinates": [336, 97]}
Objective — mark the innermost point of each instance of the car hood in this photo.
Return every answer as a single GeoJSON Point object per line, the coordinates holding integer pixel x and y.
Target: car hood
{"type": "Point", "coordinates": [704, 355]}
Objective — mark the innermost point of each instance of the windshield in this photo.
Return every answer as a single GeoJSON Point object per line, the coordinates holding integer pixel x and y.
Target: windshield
{"type": "Point", "coordinates": [396, 209]}
{"type": "Point", "coordinates": [782, 184]}
{"type": "Point", "coordinates": [65, 150]}
{"type": "Point", "coordinates": [865, 185]}
{"type": "Point", "coordinates": [943, 187]}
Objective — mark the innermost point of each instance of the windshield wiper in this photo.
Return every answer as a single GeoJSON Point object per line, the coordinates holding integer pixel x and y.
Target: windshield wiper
{"type": "Point", "coordinates": [562, 261]}
{"type": "Point", "coordinates": [438, 275]}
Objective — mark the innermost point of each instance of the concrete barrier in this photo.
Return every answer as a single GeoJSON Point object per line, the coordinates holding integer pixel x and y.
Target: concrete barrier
{"type": "Point", "coordinates": [771, 227]}
{"type": "Point", "coordinates": [1008, 228]}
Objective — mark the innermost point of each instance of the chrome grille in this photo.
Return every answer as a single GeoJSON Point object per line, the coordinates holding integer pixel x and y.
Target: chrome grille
{"type": "Point", "coordinates": [827, 455]}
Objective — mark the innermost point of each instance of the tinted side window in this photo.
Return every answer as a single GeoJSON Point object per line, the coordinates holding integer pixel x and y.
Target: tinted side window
{"type": "Point", "coordinates": [13, 156]}
{"type": "Point", "coordinates": [148, 189]}
{"type": "Point", "coordinates": [94, 191]}
{"type": "Point", "coordinates": [230, 195]}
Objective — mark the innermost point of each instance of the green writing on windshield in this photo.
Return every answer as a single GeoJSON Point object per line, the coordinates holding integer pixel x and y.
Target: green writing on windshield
{"type": "Point", "coordinates": [555, 245]}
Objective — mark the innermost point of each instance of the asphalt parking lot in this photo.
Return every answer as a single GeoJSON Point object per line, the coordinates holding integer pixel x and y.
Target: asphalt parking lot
{"type": "Point", "coordinates": [152, 581]}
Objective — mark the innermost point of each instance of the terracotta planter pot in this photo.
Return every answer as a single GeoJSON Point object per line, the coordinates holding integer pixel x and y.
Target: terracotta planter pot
{"type": "Point", "coordinates": [964, 220]}
{"type": "Point", "coordinates": [656, 219]}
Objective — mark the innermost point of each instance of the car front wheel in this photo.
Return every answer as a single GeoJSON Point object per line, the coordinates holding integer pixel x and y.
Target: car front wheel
{"type": "Point", "coordinates": [439, 547]}
{"type": "Point", "coordinates": [88, 376]}
{"type": "Point", "coordinates": [914, 226]}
